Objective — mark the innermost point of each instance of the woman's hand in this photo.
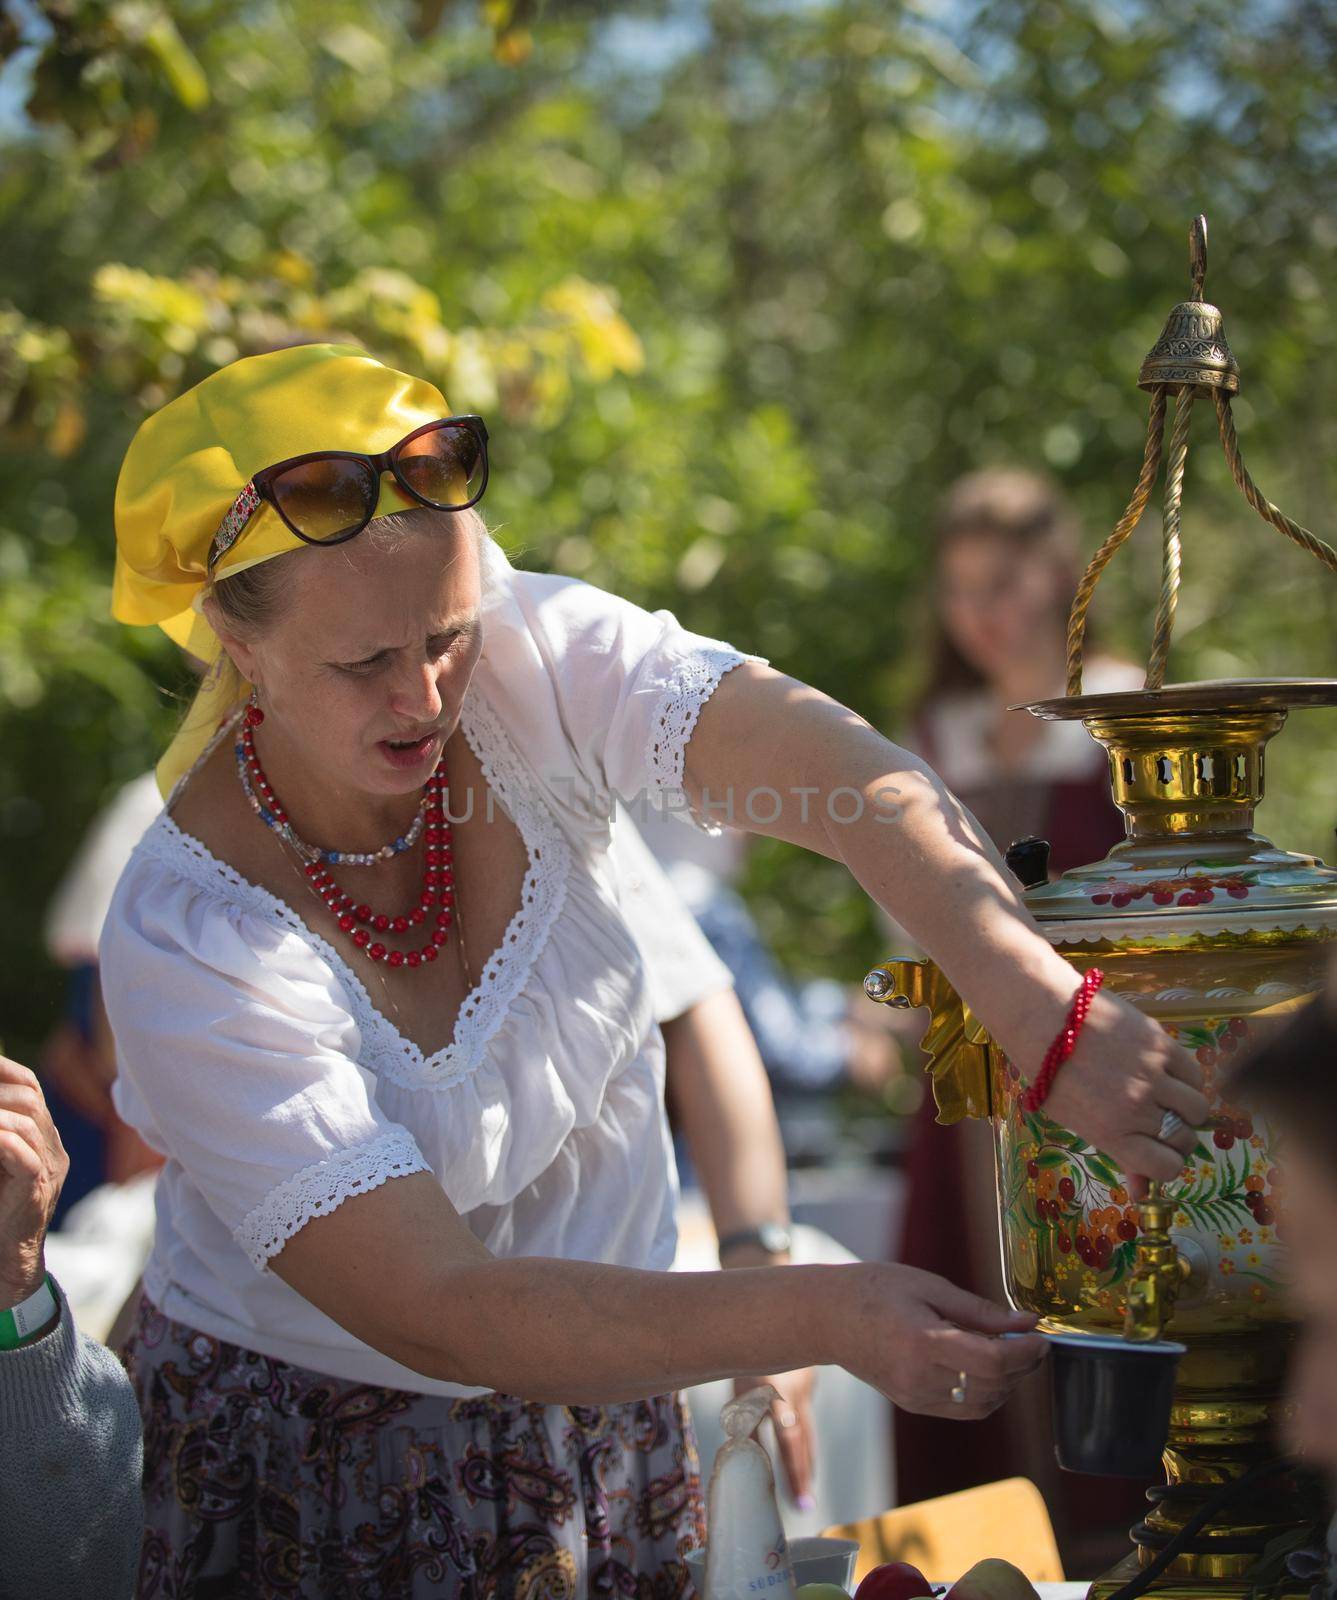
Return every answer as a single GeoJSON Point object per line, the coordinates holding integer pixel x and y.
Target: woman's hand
{"type": "Point", "coordinates": [1114, 1090]}
{"type": "Point", "coordinates": [795, 1429]}
{"type": "Point", "coordinates": [917, 1338]}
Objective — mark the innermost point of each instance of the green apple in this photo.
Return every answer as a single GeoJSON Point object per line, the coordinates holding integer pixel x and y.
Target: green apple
{"type": "Point", "coordinates": [822, 1591]}
{"type": "Point", "coordinates": [993, 1580]}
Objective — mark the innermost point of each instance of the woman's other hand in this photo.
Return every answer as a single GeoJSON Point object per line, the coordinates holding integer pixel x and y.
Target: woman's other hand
{"type": "Point", "coordinates": [1124, 1076]}
{"type": "Point", "coordinates": [918, 1338]}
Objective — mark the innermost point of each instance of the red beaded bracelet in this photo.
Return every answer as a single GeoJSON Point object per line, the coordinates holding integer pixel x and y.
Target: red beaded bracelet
{"type": "Point", "coordinates": [1066, 1042]}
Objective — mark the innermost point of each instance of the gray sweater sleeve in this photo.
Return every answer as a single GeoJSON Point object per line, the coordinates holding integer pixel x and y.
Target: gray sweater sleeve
{"type": "Point", "coordinates": [71, 1507]}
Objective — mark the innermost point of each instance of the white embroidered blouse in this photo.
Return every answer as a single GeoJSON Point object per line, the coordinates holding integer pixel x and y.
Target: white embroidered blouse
{"type": "Point", "coordinates": [251, 1056]}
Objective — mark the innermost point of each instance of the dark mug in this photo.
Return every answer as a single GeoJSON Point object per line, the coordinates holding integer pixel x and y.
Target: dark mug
{"type": "Point", "coordinates": [1112, 1401]}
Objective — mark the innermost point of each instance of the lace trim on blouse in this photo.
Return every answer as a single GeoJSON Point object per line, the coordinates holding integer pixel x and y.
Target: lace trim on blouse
{"type": "Point", "coordinates": [687, 690]}
{"type": "Point", "coordinates": [323, 1187]}
{"type": "Point", "coordinates": [385, 1051]}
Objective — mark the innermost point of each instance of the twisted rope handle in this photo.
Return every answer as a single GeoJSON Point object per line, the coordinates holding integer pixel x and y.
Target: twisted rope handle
{"type": "Point", "coordinates": [1258, 500]}
{"type": "Point", "coordinates": [1151, 464]}
{"type": "Point", "coordinates": [1171, 553]}
{"type": "Point", "coordinates": [1171, 558]}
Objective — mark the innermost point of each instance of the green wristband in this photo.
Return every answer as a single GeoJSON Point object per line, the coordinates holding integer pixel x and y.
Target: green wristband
{"type": "Point", "coordinates": [23, 1322]}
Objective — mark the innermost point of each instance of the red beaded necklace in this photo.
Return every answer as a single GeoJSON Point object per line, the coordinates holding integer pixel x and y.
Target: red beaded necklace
{"type": "Point", "coordinates": [438, 880]}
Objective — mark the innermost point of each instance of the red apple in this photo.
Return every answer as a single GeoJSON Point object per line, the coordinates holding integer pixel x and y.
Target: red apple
{"type": "Point", "coordinates": [894, 1580]}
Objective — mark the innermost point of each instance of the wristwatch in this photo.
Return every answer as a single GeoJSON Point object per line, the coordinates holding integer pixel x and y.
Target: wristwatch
{"type": "Point", "coordinates": [24, 1321]}
{"type": "Point", "coordinates": [772, 1237]}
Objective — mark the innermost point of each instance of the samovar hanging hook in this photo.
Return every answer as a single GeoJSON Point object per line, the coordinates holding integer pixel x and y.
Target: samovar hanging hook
{"type": "Point", "coordinates": [1197, 256]}
{"type": "Point", "coordinates": [1190, 358]}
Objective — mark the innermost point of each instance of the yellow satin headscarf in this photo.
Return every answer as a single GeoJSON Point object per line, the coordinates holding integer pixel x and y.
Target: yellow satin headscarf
{"type": "Point", "coordinates": [188, 463]}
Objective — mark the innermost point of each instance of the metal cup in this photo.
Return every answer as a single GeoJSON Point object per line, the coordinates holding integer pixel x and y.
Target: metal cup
{"type": "Point", "coordinates": [1111, 1402]}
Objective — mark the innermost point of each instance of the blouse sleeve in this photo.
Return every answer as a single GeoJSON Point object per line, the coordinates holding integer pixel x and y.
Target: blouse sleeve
{"type": "Point", "coordinates": [237, 1060]}
{"type": "Point", "coordinates": [630, 683]}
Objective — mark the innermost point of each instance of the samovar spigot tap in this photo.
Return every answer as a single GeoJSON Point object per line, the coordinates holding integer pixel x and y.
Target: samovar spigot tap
{"type": "Point", "coordinates": [1159, 1274]}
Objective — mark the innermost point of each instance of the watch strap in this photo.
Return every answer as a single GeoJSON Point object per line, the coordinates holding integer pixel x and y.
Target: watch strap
{"type": "Point", "coordinates": [21, 1322]}
{"type": "Point", "coordinates": [772, 1237]}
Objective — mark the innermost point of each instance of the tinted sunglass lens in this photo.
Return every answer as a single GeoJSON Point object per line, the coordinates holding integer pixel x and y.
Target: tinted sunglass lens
{"type": "Point", "coordinates": [325, 499]}
{"type": "Point", "coordinates": [444, 466]}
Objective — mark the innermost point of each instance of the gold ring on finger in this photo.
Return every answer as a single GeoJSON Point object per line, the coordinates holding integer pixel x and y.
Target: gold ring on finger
{"type": "Point", "coordinates": [958, 1395]}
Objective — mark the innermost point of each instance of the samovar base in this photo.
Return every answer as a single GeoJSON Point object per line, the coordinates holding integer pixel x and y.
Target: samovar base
{"type": "Point", "coordinates": [1173, 1585]}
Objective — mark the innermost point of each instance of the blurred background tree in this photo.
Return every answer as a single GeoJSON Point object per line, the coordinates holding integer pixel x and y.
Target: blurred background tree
{"type": "Point", "coordinates": [741, 285]}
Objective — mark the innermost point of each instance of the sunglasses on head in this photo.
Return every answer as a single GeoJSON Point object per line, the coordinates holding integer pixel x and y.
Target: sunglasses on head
{"type": "Point", "coordinates": [329, 496]}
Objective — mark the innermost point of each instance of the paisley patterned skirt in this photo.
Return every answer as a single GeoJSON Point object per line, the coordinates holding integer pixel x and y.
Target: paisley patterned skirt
{"type": "Point", "coordinates": [263, 1480]}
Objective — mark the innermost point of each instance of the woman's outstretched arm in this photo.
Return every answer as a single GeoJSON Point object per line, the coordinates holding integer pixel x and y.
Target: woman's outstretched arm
{"type": "Point", "coordinates": [772, 755]}
{"type": "Point", "coordinates": [398, 1268]}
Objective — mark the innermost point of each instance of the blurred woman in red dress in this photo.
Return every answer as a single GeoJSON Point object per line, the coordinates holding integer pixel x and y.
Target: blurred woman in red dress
{"type": "Point", "coordinates": [1007, 563]}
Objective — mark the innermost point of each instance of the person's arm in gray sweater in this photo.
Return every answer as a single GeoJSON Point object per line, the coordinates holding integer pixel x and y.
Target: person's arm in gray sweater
{"type": "Point", "coordinates": [71, 1508]}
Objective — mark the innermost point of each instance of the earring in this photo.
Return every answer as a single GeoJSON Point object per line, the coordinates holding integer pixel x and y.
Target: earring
{"type": "Point", "coordinates": [252, 716]}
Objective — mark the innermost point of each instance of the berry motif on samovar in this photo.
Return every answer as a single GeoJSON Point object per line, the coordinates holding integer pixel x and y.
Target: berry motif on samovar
{"type": "Point", "coordinates": [1069, 1222]}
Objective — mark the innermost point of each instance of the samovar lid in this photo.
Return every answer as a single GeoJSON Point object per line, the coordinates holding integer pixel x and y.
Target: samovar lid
{"type": "Point", "coordinates": [1186, 769]}
{"type": "Point", "coordinates": [1196, 891]}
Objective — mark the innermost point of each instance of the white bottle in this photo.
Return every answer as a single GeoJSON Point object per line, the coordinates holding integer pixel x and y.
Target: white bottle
{"type": "Point", "coordinates": [746, 1552]}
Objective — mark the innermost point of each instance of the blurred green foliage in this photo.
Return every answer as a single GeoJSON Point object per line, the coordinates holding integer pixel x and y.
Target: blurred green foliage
{"type": "Point", "coordinates": [740, 285]}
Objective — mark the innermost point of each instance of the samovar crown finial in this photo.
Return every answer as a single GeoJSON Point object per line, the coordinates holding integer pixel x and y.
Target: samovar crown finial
{"type": "Point", "coordinates": [1191, 353]}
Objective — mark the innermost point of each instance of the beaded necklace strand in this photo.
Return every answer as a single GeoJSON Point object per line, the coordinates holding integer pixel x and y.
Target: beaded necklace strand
{"type": "Point", "coordinates": [359, 919]}
{"type": "Point", "coordinates": [272, 814]}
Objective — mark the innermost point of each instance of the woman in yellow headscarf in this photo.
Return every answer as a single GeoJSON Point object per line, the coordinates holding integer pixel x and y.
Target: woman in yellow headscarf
{"type": "Point", "coordinates": [408, 1325]}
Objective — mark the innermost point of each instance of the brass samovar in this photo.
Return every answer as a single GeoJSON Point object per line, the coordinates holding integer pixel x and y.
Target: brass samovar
{"type": "Point", "coordinates": [1218, 934]}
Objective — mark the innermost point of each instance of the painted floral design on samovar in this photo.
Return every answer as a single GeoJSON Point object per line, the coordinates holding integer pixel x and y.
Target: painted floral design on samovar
{"type": "Point", "coordinates": [1218, 934]}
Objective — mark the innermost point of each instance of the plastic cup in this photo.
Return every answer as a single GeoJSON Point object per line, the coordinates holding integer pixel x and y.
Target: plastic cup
{"type": "Point", "coordinates": [814, 1559]}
